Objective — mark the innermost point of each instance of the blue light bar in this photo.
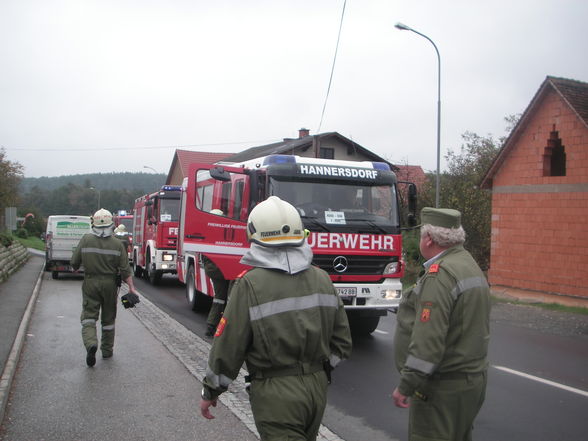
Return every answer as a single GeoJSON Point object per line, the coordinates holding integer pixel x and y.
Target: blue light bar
{"type": "Point", "coordinates": [279, 159]}
{"type": "Point", "coordinates": [171, 188]}
{"type": "Point", "coordinates": [381, 166]}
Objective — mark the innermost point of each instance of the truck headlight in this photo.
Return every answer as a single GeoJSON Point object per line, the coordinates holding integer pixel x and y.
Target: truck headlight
{"type": "Point", "coordinates": [167, 257]}
{"type": "Point", "coordinates": [391, 294]}
{"type": "Point", "coordinates": [392, 268]}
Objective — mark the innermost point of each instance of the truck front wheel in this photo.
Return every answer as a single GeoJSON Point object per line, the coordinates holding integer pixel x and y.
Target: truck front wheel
{"type": "Point", "coordinates": [153, 275]}
{"type": "Point", "coordinates": [363, 325]}
{"type": "Point", "coordinates": [55, 275]}
{"type": "Point", "coordinates": [137, 270]}
{"type": "Point", "coordinates": [193, 296]}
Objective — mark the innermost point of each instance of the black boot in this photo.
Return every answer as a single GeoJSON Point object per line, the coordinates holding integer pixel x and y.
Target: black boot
{"type": "Point", "coordinates": [91, 355]}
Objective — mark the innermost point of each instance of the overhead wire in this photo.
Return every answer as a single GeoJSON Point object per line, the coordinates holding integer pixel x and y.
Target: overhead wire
{"type": "Point", "coordinates": [332, 67]}
{"type": "Point", "coordinates": [80, 149]}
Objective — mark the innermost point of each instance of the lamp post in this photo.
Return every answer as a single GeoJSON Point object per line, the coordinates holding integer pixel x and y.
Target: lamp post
{"type": "Point", "coordinates": [403, 27]}
{"type": "Point", "coordinates": [150, 168]}
{"type": "Point", "coordinates": [97, 191]}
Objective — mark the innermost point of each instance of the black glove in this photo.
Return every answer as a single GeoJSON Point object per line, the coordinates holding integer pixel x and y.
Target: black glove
{"type": "Point", "coordinates": [129, 300]}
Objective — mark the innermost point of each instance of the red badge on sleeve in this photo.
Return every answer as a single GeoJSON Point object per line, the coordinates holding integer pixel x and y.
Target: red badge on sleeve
{"type": "Point", "coordinates": [434, 268]}
{"type": "Point", "coordinates": [425, 315]}
{"type": "Point", "coordinates": [221, 327]}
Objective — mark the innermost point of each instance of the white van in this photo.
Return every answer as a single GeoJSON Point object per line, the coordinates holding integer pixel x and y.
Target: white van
{"type": "Point", "coordinates": [62, 237]}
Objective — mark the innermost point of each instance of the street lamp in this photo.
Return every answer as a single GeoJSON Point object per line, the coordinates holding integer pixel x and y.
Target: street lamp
{"type": "Point", "coordinates": [403, 27]}
{"type": "Point", "coordinates": [150, 168]}
{"type": "Point", "coordinates": [97, 191]}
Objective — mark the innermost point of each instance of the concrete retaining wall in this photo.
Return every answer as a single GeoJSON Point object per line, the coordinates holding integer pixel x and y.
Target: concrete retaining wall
{"type": "Point", "coordinates": [11, 259]}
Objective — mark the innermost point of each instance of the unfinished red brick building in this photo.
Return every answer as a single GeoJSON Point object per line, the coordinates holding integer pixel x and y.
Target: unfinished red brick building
{"type": "Point", "coordinates": [539, 183]}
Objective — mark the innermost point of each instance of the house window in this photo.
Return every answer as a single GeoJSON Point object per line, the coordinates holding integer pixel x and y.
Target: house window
{"type": "Point", "coordinates": [554, 157]}
{"type": "Point", "coordinates": [327, 153]}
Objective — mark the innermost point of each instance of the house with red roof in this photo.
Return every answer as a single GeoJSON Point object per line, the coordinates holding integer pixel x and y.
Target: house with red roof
{"type": "Point", "coordinates": [182, 160]}
{"type": "Point", "coordinates": [539, 184]}
{"type": "Point", "coordinates": [329, 145]}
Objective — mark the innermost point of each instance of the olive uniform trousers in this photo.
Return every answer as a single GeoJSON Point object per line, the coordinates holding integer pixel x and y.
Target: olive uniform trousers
{"type": "Point", "coordinates": [99, 292]}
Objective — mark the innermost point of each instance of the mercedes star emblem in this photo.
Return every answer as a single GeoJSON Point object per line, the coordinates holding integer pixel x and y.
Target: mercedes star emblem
{"type": "Point", "coordinates": [340, 264]}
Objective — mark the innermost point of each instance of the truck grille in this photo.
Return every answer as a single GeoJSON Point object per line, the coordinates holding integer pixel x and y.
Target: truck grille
{"type": "Point", "coordinates": [353, 264]}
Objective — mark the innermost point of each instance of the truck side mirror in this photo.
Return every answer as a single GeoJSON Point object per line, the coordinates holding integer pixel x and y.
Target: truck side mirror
{"type": "Point", "coordinates": [220, 174]}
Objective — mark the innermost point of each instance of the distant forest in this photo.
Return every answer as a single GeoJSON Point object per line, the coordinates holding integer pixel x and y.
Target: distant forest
{"type": "Point", "coordinates": [84, 194]}
{"type": "Point", "coordinates": [146, 182]}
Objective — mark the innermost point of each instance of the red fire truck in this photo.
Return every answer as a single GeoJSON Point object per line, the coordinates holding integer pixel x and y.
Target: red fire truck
{"type": "Point", "coordinates": [351, 209]}
{"type": "Point", "coordinates": [155, 233]}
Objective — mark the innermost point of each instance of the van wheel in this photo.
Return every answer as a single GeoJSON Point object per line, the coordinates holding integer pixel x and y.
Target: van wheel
{"type": "Point", "coordinates": [55, 275]}
{"type": "Point", "coordinates": [194, 297]}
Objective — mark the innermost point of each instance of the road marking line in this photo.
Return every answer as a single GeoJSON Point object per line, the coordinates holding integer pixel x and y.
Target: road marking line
{"type": "Point", "coordinates": [542, 380]}
{"type": "Point", "coordinates": [381, 332]}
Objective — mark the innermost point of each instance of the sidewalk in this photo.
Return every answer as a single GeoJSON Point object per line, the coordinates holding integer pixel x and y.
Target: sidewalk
{"type": "Point", "coordinates": [143, 393]}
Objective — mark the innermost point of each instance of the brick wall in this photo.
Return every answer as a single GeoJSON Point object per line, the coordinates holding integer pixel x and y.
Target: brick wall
{"type": "Point", "coordinates": [540, 223]}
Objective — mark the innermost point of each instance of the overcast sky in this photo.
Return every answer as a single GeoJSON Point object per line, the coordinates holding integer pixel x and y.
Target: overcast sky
{"type": "Point", "coordinates": [118, 85]}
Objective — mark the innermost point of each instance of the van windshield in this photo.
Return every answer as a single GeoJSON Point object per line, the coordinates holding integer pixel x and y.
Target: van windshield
{"type": "Point", "coordinates": [339, 205]}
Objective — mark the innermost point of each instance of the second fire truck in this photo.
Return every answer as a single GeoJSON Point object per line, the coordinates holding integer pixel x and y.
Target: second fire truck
{"type": "Point", "coordinates": [155, 233]}
{"type": "Point", "coordinates": [350, 208]}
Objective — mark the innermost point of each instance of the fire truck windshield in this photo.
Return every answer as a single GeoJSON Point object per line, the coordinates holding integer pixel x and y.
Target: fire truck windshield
{"type": "Point", "coordinates": [340, 206]}
{"type": "Point", "coordinates": [128, 223]}
{"type": "Point", "coordinates": [169, 210]}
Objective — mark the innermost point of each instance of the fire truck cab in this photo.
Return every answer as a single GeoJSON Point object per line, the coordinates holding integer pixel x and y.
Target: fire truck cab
{"type": "Point", "coordinates": [350, 208]}
{"type": "Point", "coordinates": [155, 233]}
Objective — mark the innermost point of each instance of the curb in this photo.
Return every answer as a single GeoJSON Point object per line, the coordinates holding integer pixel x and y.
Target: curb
{"type": "Point", "coordinates": [13, 357]}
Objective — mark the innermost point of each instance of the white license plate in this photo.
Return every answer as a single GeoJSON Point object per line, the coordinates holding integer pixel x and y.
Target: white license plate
{"type": "Point", "coordinates": [347, 291]}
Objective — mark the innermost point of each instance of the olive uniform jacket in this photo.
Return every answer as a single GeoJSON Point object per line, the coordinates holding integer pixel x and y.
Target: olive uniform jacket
{"type": "Point", "coordinates": [443, 323]}
{"type": "Point", "coordinates": [277, 321]}
{"type": "Point", "coordinates": [101, 256]}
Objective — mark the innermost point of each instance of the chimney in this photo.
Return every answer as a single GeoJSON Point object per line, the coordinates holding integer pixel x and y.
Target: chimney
{"type": "Point", "coordinates": [303, 133]}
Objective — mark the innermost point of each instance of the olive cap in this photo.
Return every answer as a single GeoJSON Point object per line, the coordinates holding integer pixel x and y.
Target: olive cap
{"type": "Point", "coordinates": [441, 217]}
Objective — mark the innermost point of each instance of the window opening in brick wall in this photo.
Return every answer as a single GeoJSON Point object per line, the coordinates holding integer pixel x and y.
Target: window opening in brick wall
{"type": "Point", "coordinates": [327, 153]}
{"type": "Point", "coordinates": [554, 156]}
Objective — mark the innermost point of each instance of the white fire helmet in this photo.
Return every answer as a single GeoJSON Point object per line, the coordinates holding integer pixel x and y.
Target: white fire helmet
{"type": "Point", "coordinates": [102, 218]}
{"type": "Point", "coordinates": [121, 229]}
{"type": "Point", "coordinates": [275, 223]}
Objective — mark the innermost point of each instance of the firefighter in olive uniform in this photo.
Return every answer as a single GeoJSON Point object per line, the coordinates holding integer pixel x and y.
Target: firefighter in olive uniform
{"type": "Point", "coordinates": [442, 335]}
{"type": "Point", "coordinates": [286, 322]}
{"type": "Point", "coordinates": [221, 289]}
{"type": "Point", "coordinates": [121, 234]}
{"type": "Point", "coordinates": [103, 258]}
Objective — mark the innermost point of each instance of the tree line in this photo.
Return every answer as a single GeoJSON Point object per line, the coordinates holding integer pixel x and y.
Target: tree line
{"type": "Point", "coordinates": [76, 194]}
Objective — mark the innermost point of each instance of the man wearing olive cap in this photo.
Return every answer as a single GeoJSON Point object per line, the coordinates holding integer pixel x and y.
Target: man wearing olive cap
{"type": "Point", "coordinates": [442, 334]}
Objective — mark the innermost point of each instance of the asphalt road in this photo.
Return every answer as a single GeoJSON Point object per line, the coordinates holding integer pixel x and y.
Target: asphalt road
{"type": "Point", "coordinates": [537, 387]}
